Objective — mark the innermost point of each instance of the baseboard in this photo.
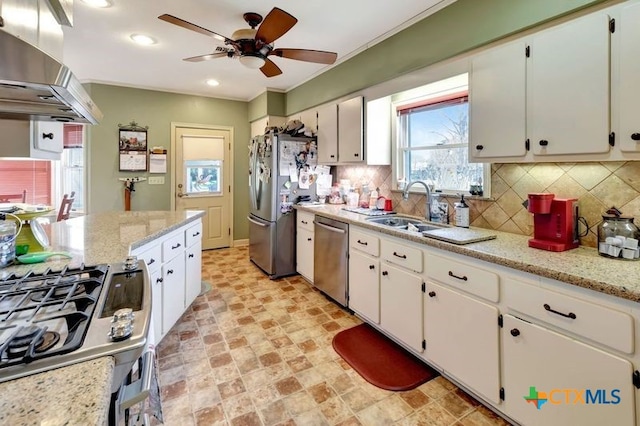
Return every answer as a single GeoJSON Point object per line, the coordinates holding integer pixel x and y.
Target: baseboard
{"type": "Point", "coordinates": [240, 243]}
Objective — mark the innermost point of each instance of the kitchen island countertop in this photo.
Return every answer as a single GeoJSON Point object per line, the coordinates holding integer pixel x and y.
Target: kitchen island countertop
{"type": "Point", "coordinates": [80, 393]}
{"type": "Point", "coordinates": [75, 395]}
{"type": "Point", "coordinates": [582, 267]}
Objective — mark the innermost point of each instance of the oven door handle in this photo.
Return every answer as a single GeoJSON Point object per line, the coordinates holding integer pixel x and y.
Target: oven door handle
{"type": "Point", "coordinates": [136, 392]}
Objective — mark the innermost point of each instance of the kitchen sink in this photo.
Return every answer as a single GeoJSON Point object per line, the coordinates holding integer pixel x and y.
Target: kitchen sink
{"type": "Point", "coordinates": [400, 222]}
{"type": "Point", "coordinates": [394, 222]}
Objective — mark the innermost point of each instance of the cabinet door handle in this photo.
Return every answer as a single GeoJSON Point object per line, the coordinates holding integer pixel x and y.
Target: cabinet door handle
{"type": "Point", "coordinates": [515, 332]}
{"type": "Point", "coordinates": [461, 278]}
{"type": "Point", "coordinates": [308, 239]}
{"type": "Point", "coordinates": [479, 147]}
{"type": "Point", "coordinates": [356, 155]}
{"type": "Point", "coordinates": [159, 280]}
{"type": "Point", "coordinates": [170, 271]}
{"type": "Point", "coordinates": [401, 256]}
{"type": "Point", "coordinates": [47, 136]}
{"type": "Point", "coordinates": [364, 243]}
{"type": "Point", "coordinates": [175, 247]}
{"type": "Point", "coordinates": [332, 156]}
{"type": "Point", "coordinates": [385, 273]}
{"type": "Point", "coordinates": [372, 266]}
{"type": "Point", "coordinates": [190, 254]}
{"type": "Point", "coordinates": [305, 222]}
{"type": "Point", "coordinates": [635, 136]}
{"type": "Point", "coordinates": [152, 260]}
{"type": "Point", "coordinates": [432, 294]}
{"type": "Point", "coordinates": [543, 142]}
{"type": "Point", "coordinates": [196, 234]}
{"type": "Point", "coordinates": [569, 315]}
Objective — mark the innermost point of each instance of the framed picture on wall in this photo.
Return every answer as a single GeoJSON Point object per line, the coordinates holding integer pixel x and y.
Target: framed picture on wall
{"type": "Point", "coordinates": [133, 140]}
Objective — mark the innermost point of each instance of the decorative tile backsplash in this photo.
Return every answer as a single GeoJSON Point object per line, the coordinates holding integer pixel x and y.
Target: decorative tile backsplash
{"type": "Point", "coordinates": [597, 186]}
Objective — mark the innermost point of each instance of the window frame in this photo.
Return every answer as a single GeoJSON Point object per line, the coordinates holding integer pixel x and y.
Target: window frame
{"type": "Point", "coordinates": [439, 91]}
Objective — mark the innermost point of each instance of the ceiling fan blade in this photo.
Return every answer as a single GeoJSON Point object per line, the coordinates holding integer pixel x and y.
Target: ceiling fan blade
{"type": "Point", "coordinates": [270, 69]}
{"type": "Point", "coordinates": [317, 56]}
{"type": "Point", "coordinates": [193, 27]}
{"type": "Point", "coordinates": [275, 25]}
{"type": "Point", "coordinates": [206, 57]}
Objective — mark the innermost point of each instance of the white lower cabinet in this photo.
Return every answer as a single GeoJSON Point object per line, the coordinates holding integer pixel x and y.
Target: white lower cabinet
{"type": "Point", "coordinates": [156, 303]}
{"type": "Point", "coordinates": [576, 384]}
{"type": "Point", "coordinates": [401, 305]}
{"type": "Point", "coordinates": [173, 292]}
{"type": "Point", "coordinates": [364, 285]}
{"type": "Point", "coordinates": [462, 338]}
{"type": "Point", "coordinates": [193, 272]}
{"type": "Point", "coordinates": [304, 244]}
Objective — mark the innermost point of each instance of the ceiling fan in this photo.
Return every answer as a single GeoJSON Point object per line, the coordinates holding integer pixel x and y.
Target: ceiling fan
{"type": "Point", "coordinates": [253, 46]}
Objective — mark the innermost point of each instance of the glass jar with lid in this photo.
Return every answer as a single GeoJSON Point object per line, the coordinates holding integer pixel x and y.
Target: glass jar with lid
{"type": "Point", "coordinates": [618, 236]}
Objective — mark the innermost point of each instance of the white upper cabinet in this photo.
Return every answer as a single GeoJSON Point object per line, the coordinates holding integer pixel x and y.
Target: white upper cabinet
{"type": "Point", "coordinates": [350, 129]}
{"type": "Point", "coordinates": [328, 134]}
{"type": "Point", "coordinates": [544, 97]}
{"type": "Point", "coordinates": [626, 84]}
{"type": "Point", "coordinates": [568, 87]}
{"type": "Point", "coordinates": [497, 112]}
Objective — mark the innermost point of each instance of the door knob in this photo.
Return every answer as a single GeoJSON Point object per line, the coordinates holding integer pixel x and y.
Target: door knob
{"type": "Point", "coordinates": [180, 194]}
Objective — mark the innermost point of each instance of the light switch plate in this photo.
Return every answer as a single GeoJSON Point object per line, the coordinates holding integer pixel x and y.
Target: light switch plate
{"type": "Point", "coordinates": [156, 180]}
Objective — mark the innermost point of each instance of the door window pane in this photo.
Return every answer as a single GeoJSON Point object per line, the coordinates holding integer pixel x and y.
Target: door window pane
{"type": "Point", "coordinates": [203, 177]}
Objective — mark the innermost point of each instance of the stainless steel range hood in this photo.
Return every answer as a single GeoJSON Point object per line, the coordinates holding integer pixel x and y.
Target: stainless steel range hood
{"type": "Point", "coordinates": [35, 86]}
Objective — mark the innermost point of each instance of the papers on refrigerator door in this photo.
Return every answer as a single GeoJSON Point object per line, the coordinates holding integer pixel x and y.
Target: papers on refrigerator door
{"type": "Point", "coordinates": [298, 154]}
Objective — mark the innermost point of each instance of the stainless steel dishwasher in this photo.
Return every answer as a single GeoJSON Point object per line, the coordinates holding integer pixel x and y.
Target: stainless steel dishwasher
{"type": "Point", "coordinates": [330, 258]}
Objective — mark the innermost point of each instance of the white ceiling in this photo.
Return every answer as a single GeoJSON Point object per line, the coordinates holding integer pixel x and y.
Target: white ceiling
{"type": "Point", "coordinates": [98, 48]}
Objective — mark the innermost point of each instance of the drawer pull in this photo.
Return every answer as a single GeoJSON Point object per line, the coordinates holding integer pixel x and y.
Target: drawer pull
{"type": "Point", "coordinates": [196, 234]}
{"type": "Point", "coordinates": [515, 332]}
{"type": "Point", "coordinates": [152, 260]}
{"type": "Point", "coordinates": [170, 271]}
{"type": "Point", "coordinates": [479, 147]}
{"type": "Point", "coordinates": [190, 254]}
{"type": "Point", "coordinates": [372, 266]}
{"type": "Point", "coordinates": [159, 280]}
{"type": "Point", "coordinates": [175, 247]}
{"type": "Point", "coordinates": [364, 243]}
{"type": "Point", "coordinates": [385, 273]}
{"type": "Point", "coordinates": [569, 315]}
{"type": "Point", "coordinates": [401, 256]}
{"type": "Point", "coordinates": [461, 278]}
{"type": "Point", "coordinates": [544, 142]}
{"type": "Point", "coordinates": [432, 294]}
{"type": "Point", "coordinates": [308, 239]}
{"type": "Point", "coordinates": [305, 222]}
{"type": "Point", "coordinates": [635, 136]}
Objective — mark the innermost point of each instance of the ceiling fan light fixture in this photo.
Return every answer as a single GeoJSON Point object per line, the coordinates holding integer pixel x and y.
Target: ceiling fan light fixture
{"type": "Point", "coordinates": [252, 61]}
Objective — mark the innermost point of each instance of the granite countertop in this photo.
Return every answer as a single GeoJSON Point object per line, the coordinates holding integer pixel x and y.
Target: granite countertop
{"type": "Point", "coordinates": [81, 393]}
{"type": "Point", "coordinates": [582, 267]}
{"type": "Point", "coordinates": [104, 237]}
{"type": "Point", "coordinates": [65, 396]}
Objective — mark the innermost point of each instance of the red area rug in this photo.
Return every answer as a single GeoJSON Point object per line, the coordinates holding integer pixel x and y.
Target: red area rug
{"type": "Point", "coordinates": [380, 361]}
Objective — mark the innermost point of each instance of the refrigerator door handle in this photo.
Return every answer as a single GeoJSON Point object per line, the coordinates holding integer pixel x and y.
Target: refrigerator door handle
{"type": "Point", "coordinates": [256, 222]}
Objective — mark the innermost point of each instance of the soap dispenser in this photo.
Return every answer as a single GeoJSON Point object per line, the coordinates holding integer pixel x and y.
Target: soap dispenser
{"type": "Point", "coordinates": [461, 213]}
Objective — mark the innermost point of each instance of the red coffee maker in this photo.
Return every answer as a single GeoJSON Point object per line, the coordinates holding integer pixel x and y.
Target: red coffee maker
{"type": "Point", "coordinates": [555, 222]}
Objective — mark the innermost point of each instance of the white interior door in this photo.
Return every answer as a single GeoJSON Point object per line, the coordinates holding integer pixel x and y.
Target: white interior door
{"type": "Point", "coordinates": [202, 158]}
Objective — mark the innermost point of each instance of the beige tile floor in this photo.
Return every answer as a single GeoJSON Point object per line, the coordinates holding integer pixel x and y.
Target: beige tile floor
{"type": "Point", "coordinates": [253, 351]}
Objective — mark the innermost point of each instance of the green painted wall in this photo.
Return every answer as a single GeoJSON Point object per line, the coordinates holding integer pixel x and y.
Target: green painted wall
{"type": "Point", "coordinates": [276, 103]}
{"type": "Point", "coordinates": [258, 107]}
{"type": "Point", "coordinates": [121, 105]}
{"type": "Point", "coordinates": [460, 27]}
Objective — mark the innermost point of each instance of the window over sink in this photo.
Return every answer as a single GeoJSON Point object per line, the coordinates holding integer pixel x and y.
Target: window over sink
{"type": "Point", "coordinates": [432, 138]}
{"type": "Point", "coordinates": [46, 181]}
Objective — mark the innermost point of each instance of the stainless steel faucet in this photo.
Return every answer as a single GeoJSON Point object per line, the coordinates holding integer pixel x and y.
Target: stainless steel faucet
{"type": "Point", "coordinates": [427, 206]}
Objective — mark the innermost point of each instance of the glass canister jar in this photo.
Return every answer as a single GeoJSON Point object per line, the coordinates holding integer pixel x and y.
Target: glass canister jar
{"type": "Point", "coordinates": [618, 236]}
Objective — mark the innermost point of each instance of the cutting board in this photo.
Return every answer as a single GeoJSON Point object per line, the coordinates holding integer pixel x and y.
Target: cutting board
{"type": "Point", "coordinates": [457, 235]}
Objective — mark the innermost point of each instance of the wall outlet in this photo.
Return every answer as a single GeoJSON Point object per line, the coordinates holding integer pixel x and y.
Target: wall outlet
{"type": "Point", "coordinates": [156, 180]}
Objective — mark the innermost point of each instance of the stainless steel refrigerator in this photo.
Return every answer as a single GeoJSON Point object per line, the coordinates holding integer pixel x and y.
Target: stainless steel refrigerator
{"type": "Point", "coordinates": [276, 162]}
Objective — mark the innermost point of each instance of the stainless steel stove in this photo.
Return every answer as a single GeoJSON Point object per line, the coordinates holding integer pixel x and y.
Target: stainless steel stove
{"type": "Point", "coordinates": [58, 318]}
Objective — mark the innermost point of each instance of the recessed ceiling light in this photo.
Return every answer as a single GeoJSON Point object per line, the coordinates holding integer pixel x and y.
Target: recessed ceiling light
{"type": "Point", "coordinates": [142, 39]}
{"type": "Point", "coordinates": [98, 3]}
{"type": "Point", "coordinates": [212, 82]}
